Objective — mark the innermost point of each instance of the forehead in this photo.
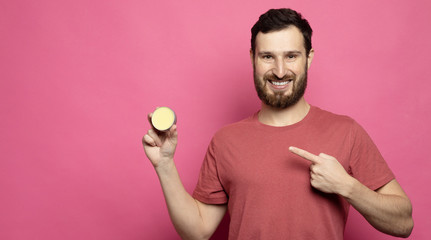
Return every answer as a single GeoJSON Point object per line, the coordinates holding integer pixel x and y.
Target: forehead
{"type": "Point", "coordinates": [287, 39]}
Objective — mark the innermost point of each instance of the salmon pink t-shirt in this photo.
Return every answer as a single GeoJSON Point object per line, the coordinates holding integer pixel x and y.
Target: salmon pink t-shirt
{"type": "Point", "coordinates": [248, 165]}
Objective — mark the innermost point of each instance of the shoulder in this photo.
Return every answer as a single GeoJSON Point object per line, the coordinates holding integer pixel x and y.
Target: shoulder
{"type": "Point", "coordinates": [326, 121]}
{"type": "Point", "coordinates": [236, 129]}
{"type": "Point", "coordinates": [325, 117]}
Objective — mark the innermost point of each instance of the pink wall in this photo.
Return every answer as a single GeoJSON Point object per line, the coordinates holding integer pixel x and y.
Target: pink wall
{"type": "Point", "coordinates": [79, 77]}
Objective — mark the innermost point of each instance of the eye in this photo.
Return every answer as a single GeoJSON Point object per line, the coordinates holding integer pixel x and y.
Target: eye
{"type": "Point", "coordinates": [291, 57]}
{"type": "Point", "coordinates": [267, 57]}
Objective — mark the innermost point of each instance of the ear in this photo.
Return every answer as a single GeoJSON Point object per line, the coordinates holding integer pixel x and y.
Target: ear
{"type": "Point", "coordinates": [251, 56]}
{"type": "Point", "coordinates": [310, 57]}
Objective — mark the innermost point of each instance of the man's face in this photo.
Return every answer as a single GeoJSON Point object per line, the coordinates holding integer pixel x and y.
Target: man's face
{"type": "Point", "coordinates": [280, 67]}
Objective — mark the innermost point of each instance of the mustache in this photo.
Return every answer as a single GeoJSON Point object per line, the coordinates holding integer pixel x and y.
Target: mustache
{"type": "Point", "coordinates": [273, 77]}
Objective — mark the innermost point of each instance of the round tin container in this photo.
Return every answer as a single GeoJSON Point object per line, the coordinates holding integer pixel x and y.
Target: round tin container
{"type": "Point", "coordinates": [163, 118]}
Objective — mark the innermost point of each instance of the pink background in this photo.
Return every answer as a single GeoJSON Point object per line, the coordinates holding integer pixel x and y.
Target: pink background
{"type": "Point", "coordinates": [79, 77]}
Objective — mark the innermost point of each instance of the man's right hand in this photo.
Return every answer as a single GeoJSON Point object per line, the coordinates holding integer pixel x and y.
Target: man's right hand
{"type": "Point", "coordinates": [160, 146]}
{"type": "Point", "coordinates": [192, 219]}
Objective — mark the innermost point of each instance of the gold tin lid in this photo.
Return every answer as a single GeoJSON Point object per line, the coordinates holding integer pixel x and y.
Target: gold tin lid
{"type": "Point", "coordinates": [163, 118]}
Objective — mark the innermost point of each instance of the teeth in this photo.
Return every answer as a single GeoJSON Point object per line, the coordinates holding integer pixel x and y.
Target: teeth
{"type": "Point", "coordinates": [280, 83]}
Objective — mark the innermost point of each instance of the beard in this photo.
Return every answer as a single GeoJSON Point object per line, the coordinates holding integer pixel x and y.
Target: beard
{"type": "Point", "coordinates": [280, 99]}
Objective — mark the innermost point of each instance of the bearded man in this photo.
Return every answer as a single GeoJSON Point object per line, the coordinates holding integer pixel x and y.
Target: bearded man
{"type": "Point", "coordinates": [263, 170]}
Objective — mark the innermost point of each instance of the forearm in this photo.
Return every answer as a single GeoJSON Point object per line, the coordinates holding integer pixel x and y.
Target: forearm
{"type": "Point", "coordinates": [389, 213]}
{"type": "Point", "coordinates": [183, 209]}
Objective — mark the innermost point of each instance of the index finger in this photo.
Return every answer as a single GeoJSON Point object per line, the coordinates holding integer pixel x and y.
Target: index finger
{"type": "Point", "coordinates": [304, 154]}
{"type": "Point", "coordinates": [149, 116]}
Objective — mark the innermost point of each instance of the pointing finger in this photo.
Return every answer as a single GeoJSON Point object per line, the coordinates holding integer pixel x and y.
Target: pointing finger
{"type": "Point", "coordinates": [326, 156]}
{"type": "Point", "coordinates": [304, 154]}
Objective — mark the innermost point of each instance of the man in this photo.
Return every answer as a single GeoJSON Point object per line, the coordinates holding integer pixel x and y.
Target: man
{"type": "Point", "coordinates": [257, 168]}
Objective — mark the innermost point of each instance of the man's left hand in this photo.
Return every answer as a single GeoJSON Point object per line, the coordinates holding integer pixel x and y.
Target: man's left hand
{"type": "Point", "coordinates": [327, 174]}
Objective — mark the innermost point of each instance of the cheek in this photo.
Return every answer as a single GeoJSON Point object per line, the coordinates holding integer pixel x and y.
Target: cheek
{"type": "Point", "coordinates": [262, 72]}
{"type": "Point", "coordinates": [262, 69]}
{"type": "Point", "coordinates": [299, 68]}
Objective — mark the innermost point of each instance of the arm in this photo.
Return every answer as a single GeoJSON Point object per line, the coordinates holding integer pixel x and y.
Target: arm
{"type": "Point", "coordinates": [388, 209]}
{"type": "Point", "coordinates": [192, 219]}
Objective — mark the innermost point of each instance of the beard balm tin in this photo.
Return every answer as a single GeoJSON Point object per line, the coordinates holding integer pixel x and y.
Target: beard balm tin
{"type": "Point", "coordinates": [163, 118]}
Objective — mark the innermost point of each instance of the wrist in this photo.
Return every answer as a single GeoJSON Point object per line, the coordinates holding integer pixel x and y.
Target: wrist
{"type": "Point", "coordinates": [165, 167]}
{"type": "Point", "coordinates": [348, 187]}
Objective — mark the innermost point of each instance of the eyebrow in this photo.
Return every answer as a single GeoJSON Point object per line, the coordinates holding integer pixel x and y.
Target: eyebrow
{"type": "Point", "coordinates": [287, 52]}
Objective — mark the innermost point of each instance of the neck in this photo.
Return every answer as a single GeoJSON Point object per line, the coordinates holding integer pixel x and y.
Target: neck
{"type": "Point", "coordinates": [283, 117]}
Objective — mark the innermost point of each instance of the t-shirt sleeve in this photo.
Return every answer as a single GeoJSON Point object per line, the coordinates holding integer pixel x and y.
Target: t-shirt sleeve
{"type": "Point", "coordinates": [367, 164]}
{"type": "Point", "coordinates": [209, 188]}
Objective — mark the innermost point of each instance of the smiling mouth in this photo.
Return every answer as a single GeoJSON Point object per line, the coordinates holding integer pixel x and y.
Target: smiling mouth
{"type": "Point", "coordinates": [279, 83]}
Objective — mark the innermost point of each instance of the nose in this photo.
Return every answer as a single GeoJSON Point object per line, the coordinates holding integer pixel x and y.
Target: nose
{"type": "Point", "coordinates": [279, 69]}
